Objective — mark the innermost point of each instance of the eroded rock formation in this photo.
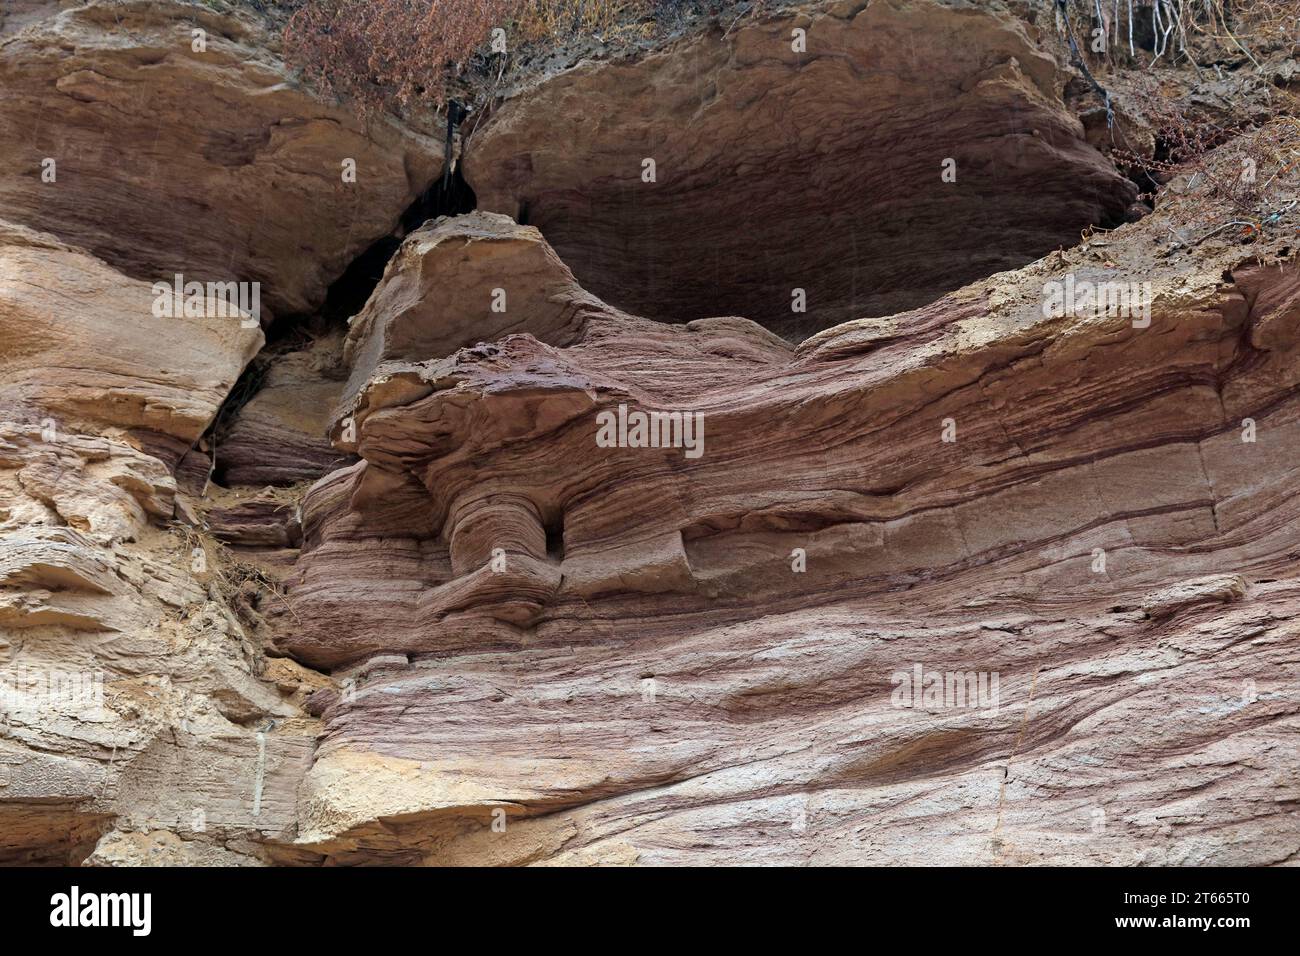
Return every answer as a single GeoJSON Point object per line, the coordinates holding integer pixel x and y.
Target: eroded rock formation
{"type": "Point", "coordinates": [165, 138]}
{"type": "Point", "coordinates": [766, 156]}
{"type": "Point", "coordinates": [549, 582]}
{"type": "Point", "coordinates": [280, 435]}
{"type": "Point", "coordinates": [139, 713]}
{"type": "Point", "coordinates": [956, 567]}
{"type": "Point", "coordinates": [440, 293]}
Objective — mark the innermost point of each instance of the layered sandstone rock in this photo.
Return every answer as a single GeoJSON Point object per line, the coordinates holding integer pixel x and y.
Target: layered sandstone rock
{"type": "Point", "coordinates": [459, 281]}
{"type": "Point", "coordinates": [766, 156]}
{"type": "Point", "coordinates": [133, 698]}
{"type": "Point", "coordinates": [519, 631]}
{"type": "Point", "coordinates": [136, 705]}
{"type": "Point", "coordinates": [165, 138]}
{"type": "Point", "coordinates": [86, 345]}
{"type": "Point", "coordinates": [129, 690]}
{"type": "Point", "coordinates": [639, 654]}
{"type": "Point", "coordinates": [280, 435]}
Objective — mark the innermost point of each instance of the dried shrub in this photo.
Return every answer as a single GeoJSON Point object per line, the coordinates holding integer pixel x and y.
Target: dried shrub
{"type": "Point", "coordinates": [377, 53]}
{"type": "Point", "coordinates": [385, 54]}
{"type": "Point", "coordinates": [558, 19]}
{"type": "Point", "coordinates": [1235, 163]}
{"type": "Point", "coordinates": [1247, 180]}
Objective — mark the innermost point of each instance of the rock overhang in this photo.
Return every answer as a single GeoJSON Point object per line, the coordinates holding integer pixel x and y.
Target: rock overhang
{"type": "Point", "coordinates": [802, 187]}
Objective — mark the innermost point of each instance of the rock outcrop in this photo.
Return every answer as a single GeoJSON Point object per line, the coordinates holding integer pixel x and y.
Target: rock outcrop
{"type": "Point", "coordinates": [696, 650]}
{"type": "Point", "coordinates": [140, 721]}
{"type": "Point", "coordinates": [86, 345]}
{"type": "Point", "coordinates": [129, 690]}
{"type": "Point", "coordinates": [280, 436]}
{"type": "Point", "coordinates": [165, 138]}
{"type": "Point", "coordinates": [440, 293]}
{"type": "Point", "coordinates": [899, 133]}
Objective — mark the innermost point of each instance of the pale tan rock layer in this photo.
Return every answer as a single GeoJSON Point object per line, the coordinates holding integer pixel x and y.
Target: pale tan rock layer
{"type": "Point", "coordinates": [83, 344]}
{"type": "Point", "coordinates": [131, 696]}
{"type": "Point", "coordinates": [766, 157]}
{"type": "Point", "coordinates": [438, 294]}
{"type": "Point", "coordinates": [140, 720]}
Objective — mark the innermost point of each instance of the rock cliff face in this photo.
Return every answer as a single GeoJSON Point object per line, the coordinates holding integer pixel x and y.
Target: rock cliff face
{"type": "Point", "coordinates": [141, 720]}
{"type": "Point", "coordinates": [541, 561]}
{"type": "Point", "coordinates": [648, 653]}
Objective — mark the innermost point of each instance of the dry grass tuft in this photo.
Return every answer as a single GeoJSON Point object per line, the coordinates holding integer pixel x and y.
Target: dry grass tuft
{"type": "Point", "coordinates": [233, 580]}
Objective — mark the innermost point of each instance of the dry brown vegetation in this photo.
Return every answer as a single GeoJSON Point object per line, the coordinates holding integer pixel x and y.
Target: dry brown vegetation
{"type": "Point", "coordinates": [383, 54]}
{"type": "Point", "coordinates": [393, 54]}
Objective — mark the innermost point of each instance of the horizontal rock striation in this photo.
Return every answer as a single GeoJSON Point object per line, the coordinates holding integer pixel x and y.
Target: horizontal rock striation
{"type": "Point", "coordinates": [140, 720]}
{"type": "Point", "coordinates": [85, 345]}
{"type": "Point", "coordinates": [641, 654]}
{"type": "Point", "coordinates": [988, 569]}
{"type": "Point", "coordinates": [279, 436]}
{"type": "Point", "coordinates": [165, 138]}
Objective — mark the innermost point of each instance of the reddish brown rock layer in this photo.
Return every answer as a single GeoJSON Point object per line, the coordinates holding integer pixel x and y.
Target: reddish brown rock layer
{"type": "Point", "coordinates": [647, 655]}
{"type": "Point", "coordinates": [972, 583]}
{"type": "Point", "coordinates": [176, 153]}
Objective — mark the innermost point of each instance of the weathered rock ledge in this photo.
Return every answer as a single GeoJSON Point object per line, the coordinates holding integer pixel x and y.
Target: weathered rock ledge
{"type": "Point", "coordinates": [640, 654]}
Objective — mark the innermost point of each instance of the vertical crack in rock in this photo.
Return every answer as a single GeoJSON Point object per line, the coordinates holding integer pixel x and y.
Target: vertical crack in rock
{"type": "Point", "coordinates": [273, 427]}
